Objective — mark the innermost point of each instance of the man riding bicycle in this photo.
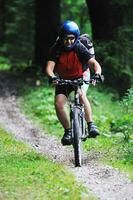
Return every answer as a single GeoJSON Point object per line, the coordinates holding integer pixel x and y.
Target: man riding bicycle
{"type": "Point", "coordinates": [70, 60]}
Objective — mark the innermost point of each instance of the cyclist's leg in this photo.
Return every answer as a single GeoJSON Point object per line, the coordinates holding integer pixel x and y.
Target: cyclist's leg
{"type": "Point", "coordinates": [87, 107]}
{"type": "Point", "coordinates": [61, 96]}
{"type": "Point", "coordinates": [83, 98]}
{"type": "Point", "coordinates": [92, 129]}
{"type": "Point", "coordinates": [60, 101]}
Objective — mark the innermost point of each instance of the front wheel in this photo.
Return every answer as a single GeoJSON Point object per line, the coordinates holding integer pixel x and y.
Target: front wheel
{"type": "Point", "coordinates": [77, 132]}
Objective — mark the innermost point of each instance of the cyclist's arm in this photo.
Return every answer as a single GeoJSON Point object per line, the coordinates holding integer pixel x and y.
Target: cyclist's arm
{"type": "Point", "coordinates": [50, 68]}
{"type": "Point", "coordinates": [95, 65]}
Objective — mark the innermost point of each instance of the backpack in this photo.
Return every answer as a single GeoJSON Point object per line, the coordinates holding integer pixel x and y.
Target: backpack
{"type": "Point", "coordinates": [86, 41]}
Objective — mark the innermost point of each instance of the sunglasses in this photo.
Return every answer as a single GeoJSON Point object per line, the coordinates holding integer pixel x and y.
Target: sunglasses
{"type": "Point", "coordinates": [69, 38]}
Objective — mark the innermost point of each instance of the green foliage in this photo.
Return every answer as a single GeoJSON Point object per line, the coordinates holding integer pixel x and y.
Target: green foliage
{"type": "Point", "coordinates": [4, 60]}
{"type": "Point", "coordinates": [4, 63]}
{"type": "Point", "coordinates": [103, 115]}
{"type": "Point", "coordinates": [124, 125]}
{"type": "Point", "coordinates": [127, 102]}
{"type": "Point", "coordinates": [117, 58]}
{"type": "Point", "coordinates": [26, 175]}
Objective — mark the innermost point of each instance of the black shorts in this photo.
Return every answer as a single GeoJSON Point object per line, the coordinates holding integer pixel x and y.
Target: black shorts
{"type": "Point", "coordinates": [64, 89]}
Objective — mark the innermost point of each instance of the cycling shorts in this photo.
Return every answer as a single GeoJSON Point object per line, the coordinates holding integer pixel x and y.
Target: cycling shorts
{"type": "Point", "coordinates": [67, 89]}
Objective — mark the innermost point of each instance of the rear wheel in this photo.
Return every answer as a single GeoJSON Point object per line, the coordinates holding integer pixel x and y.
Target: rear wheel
{"type": "Point", "coordinates": [77, 132]}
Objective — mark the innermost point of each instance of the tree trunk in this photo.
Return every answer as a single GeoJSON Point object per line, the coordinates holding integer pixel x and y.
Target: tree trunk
{"type": "Point", "coordinates": [2, 21]}
{"type": "Point", "coordinates": [47, 19]}
{"type": "Point", "coordinates": [105, 18]}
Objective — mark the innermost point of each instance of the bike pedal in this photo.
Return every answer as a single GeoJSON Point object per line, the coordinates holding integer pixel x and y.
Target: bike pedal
{"type": "Point", "coordinates": [84, 139]}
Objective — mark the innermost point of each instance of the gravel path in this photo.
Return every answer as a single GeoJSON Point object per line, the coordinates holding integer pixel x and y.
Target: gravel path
{"type": "Point", "coordinates": [105, 182]}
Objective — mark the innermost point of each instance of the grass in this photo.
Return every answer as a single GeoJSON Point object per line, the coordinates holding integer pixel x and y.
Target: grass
{"type": "Point", "coordinates": [24, 174]}
{"type": "Point", "coordinates": [38, 103]}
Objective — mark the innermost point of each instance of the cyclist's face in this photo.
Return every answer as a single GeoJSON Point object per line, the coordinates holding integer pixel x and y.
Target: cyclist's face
{"type": "Point", "coordinates": [69, 40]}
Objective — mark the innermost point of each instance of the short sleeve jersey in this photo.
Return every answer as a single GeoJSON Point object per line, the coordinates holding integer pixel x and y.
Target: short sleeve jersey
{"type": "Point", "coordinates": [70, 64]}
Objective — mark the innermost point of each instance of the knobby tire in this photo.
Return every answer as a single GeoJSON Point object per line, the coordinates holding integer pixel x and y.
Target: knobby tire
{"type": "Point", "coordinates": [77, 131]}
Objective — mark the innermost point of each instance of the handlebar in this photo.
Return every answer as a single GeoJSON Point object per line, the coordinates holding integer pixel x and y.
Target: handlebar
{"type": "Point", "coordinates": [77, 82]}
{"type": "Point", "coordinates": [80, 81]}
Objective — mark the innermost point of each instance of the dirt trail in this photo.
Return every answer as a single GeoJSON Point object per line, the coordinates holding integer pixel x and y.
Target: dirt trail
{"type": "Point", "coordinates": [105, 182]}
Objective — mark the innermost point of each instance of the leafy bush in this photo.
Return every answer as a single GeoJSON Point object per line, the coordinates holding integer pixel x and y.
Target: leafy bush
{"type": "Point", "coordinates": [4, 63]}
{"type": "Point", "coordinates": [117, 58]}
{"type": "Point", "coordinates": [124, 125]}
{"type": "Point", "coordinates": [128, 102]}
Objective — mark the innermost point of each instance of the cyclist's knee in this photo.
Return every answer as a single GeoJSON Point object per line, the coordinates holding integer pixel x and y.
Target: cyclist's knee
{"type": "Point", "coordinates": [59, 103]}
{"type": "Point", "coordinates": [83, 99]}
{"type": "Point", "coordinates": [82, 96]}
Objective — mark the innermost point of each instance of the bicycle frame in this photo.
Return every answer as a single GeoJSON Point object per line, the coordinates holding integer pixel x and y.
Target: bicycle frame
{"type": "Point", "coordinates": [80, 107]}
{"type": "Point", "coordinates": [77, 118]}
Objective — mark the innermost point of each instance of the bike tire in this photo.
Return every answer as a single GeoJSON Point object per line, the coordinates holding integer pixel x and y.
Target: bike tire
{"type": "Point", "coordinates": [77, 142]}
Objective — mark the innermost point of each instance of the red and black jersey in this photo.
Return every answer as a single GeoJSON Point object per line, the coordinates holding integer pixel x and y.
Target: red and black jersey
{"type": "Point", "coordinates": [70, 64]}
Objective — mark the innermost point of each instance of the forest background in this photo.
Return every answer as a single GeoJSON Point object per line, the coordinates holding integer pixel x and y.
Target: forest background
{"type": "Point", "coordinates": [27, 31]}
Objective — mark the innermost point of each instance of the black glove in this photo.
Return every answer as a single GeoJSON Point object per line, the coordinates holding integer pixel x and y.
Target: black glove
{"type": "Point", "coordinates": [51, 79]}
{"type": "Point", "coordinates": [98, 78]}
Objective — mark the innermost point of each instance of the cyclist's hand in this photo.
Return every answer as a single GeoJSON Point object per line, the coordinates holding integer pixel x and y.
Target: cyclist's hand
{"type": "Point", "coordinates": [97, 78]}
{"type": "Point", "coordinates": [53, 80]}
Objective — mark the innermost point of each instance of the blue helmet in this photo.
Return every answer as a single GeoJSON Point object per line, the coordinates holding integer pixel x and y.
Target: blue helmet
{"type": "Point", "coordinates": [69, 27]}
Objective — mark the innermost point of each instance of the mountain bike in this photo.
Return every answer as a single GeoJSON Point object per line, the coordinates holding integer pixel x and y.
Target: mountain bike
{"type": "Point", "coordinates": [77, 118]}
